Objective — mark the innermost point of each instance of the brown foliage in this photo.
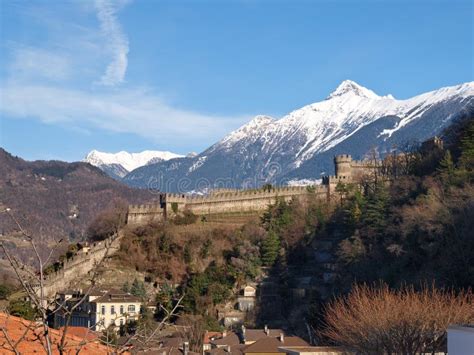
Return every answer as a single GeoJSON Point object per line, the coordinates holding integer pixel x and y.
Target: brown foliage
{"type": "Point", "coordinates": [160, 249]}
{"type": "Point", "coordinates": [376, 320]}
{"type": "Point", "coordinates": [108, 222]}
{"type": "Point", "coordinates": [56, 199]}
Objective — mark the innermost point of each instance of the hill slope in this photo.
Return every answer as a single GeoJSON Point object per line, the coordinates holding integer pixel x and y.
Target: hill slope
{"type": "Point", "coordinates": [55, 199]}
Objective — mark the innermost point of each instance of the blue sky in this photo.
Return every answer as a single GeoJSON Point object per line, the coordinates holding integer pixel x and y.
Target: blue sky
{"type": "Point", "coordinates": [178, 75]}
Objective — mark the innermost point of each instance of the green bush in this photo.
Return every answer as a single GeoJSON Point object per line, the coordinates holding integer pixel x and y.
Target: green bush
{"type": "Point", "coordinates": [5, 291]}
{"type": "Point", "coordinates": [22, 309]}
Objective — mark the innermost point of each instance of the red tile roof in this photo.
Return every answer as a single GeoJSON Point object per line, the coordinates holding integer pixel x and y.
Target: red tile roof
{"type": "Point", "coordinates": [82, 332]}
{"type": "Point", "coordinates": [209, 335]}
{"type": "Point", "coordinates": [31, 336]}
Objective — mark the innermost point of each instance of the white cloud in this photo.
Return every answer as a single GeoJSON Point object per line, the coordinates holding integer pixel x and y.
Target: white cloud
{"type": "Point", "coordinates": [128, 111]}
{"type": "Point", "coordinates": [117, 42]}
{"type": "Point", "coordinates": [54, 83]}
{"type": "Point", "coordinates": [35, 63]}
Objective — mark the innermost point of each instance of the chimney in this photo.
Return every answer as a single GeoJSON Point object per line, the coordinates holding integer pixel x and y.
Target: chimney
{"type": "Point", "coordinates": [282, 337]}
{"type": "Point", "coordinates": [185, 348]}
{"type": "Point", "coordinates": [224, 333]}
{"type": "Point", "coordinates": [267, 332]}
{"type": "Point", "coordinates": [227, 348]}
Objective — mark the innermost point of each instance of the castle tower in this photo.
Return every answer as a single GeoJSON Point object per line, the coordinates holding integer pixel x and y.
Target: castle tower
{"type": "Point", "coordinates": [342, 165]}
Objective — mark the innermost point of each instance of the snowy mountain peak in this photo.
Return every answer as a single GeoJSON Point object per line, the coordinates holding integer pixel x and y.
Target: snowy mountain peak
{"type": "Point", "coordinates": [351, 87]}
{"type": "Point", "coordinates": [128, 161]}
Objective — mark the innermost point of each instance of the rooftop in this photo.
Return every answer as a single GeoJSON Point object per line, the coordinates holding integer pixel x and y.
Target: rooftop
{"type": "Point", "coordinates": [271, 344]}
{"type": "Point", "coordinates": [17, 329]}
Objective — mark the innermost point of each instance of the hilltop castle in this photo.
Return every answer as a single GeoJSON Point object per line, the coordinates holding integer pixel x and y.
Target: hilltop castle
{"type": "Point", "coordinates": [250, 201]}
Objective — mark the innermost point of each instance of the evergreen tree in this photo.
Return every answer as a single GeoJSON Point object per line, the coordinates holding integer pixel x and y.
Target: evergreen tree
{"type": "Point", "coordinates": [126, 287]}
{"type": "Point", "coordinates": [375, 212]}
{"type": "Point", "coordinates": [270, 248]}
{"type": "Point", "coordinates": [138, 288]}
{"type": "Point", "coordinates": [467, 147]}
{"type": "Point", "coordinates": [446, 167]}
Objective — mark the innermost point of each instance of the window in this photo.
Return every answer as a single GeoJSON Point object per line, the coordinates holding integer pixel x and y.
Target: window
{"type": "Point", "coordinates": [103, 310]}
{"type": "Point", "coordinates": [131, 308]}
{"type": "Point", "coordinates": [112, 310]}
{"type": "Point", "coordinates": [121, 309]}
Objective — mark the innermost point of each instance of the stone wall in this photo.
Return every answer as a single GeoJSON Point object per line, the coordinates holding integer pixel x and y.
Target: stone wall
{"type": "Point", "coordinates": [246, 201]}
{"type": "Point", "coordinates": [139, 214]}
{"type": "Point", "coordinates": [236, 202]}
{"type": "Point", "coordinates": [79, 266]}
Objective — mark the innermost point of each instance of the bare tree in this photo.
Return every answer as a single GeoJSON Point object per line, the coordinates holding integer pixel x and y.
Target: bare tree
{"type": "Point", "coordinates": [378, 320]}
{"type": "Point", "coordinates": [33, 283]}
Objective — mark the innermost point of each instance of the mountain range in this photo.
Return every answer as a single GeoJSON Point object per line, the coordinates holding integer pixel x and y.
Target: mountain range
{"type": "Point", "coordinates": [117, 165]}
{"type": "Point", "coordinates": [300, 146]}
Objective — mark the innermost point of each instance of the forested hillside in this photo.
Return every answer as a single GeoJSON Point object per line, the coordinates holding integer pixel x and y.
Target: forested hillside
{"type": "Point", "coordinates": [55, 199]}
{"type": "Point", "coordinates": [415, 229]}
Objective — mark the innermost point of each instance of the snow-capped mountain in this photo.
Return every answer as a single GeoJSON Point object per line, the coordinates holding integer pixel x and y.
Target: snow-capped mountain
{"type": "Point", "coordinates": [301, 145]}
{"type": "Point", "coordinates": [119, 164]}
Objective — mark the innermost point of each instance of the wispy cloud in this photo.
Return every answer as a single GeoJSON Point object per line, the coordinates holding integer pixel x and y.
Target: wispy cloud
{"type": "Point", "coordinates": [56, 83]}
{"type": "Point", "coordinates": [117, 41]}
{"type": "Point", "coordinates": [126, 111]}
{"type": "Point", "coordinates": [33, 63]}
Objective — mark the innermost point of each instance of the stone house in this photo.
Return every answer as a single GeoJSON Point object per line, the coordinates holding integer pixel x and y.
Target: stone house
{"type": "Point", "coordinates": [246, 301]}
{"type": "Point", "coordinates": [99, 310]}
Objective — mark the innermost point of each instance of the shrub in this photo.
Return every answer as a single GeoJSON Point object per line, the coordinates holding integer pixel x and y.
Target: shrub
{"type": "Point", "coordinates": [5, 291]}
{"type": "Point", "coordinates": [188, 217]}
{"type": "Point", "coordinates": [21, 309]}
{"type": "Point", "coordinates": [379, 320]}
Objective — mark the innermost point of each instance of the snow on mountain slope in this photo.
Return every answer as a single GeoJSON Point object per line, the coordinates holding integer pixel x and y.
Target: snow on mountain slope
{"type": "Point", "coordinates": [300, 145]}
{"type": "Point", "coordinates": [322, 125]}
{"type": "Point", "coordinates": [121, 163]}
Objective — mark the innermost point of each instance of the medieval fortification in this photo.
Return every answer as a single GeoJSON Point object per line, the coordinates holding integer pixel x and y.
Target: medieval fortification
{"type": "Point", "coordinates": [250, 201]}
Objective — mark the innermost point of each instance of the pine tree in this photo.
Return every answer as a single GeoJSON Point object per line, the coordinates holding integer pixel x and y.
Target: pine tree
{"type": "Point", "coordinates": [446, 166]}
{"type": "Point", "coordinates": [126, 287]}
{"type": "Point", "coordinates": [138, 288]}
{"type": "Point", "coordinates": [467, 147]}
{"type": "Point", "coordinates": [375, 213]}
{"type": "Point", "coordinates": [270, 248]}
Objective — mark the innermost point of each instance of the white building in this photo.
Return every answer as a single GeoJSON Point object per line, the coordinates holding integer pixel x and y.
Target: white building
{"type": "Point", "coordinates": [99, 309]}
{"type": "Point", "coordinates": [460, 340]}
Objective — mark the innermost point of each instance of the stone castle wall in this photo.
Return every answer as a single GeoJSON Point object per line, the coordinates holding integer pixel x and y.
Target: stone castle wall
{"type": "Point", "coordinates": [235, 202]}
{"type": "Point", "coordinates": [245, 201]}
{"type": "Point", "coordinates": [79, 264]}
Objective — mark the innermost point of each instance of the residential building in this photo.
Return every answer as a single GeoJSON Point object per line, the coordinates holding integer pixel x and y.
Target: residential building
{"type": "Point", "coordinates": [252, 341]}
{"type": "Point", "coordinates": [460, 340]}
{"type": "Point", "coordinates": [98, 310]}
{"type": "Point", "coordinates": [246, 301]}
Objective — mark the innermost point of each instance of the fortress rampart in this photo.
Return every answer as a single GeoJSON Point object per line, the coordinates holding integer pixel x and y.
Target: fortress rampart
{"type": "Point", "coordinates": [245, 201]}
{"type": "Point", "coordinates": [80, 264]}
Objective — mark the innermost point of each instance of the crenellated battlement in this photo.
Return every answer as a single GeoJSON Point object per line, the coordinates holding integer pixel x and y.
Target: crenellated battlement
{"type": "Point", "coordinates": [230, 201]}
{"type": "Point", "coordinates": [347, 171]}
{"type": "Point", "coordinates": [343, 158]}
